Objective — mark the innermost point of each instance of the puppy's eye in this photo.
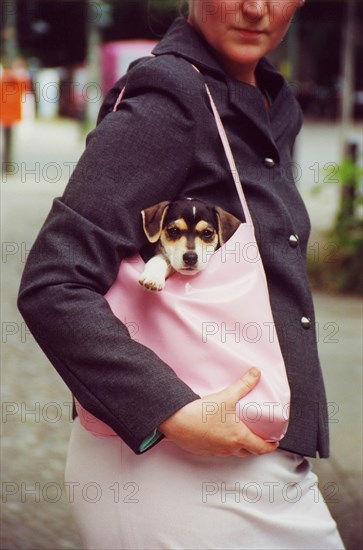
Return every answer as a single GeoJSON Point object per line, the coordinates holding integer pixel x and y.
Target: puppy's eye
{"type": "Point", "coordinates": [174, 232]}
{"type": "Point", "coordinates": [207, 234]}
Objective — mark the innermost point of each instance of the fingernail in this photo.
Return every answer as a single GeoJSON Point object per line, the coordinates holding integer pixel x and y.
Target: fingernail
{"type": "Point", "coordinates": [254, 372]}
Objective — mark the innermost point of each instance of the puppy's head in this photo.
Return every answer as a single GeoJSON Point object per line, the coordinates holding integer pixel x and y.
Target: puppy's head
{"type": "Point", "coordinates": [188, 231]}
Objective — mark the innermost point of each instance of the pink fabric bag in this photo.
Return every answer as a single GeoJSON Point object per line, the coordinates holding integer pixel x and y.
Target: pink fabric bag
{"type": "Point", "coordinates": [210, 327]}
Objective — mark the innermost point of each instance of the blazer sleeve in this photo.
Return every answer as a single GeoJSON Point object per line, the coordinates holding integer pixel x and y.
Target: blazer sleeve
{"type": "Point", "coordinates": [136, 157]}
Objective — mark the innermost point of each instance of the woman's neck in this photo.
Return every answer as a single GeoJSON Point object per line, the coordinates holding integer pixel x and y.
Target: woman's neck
{"type": "Point", "coordinates": [244, 73]}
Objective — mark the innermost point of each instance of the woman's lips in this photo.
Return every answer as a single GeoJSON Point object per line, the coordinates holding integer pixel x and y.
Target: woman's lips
{"type": "Point", "coordinates": [251, 34]}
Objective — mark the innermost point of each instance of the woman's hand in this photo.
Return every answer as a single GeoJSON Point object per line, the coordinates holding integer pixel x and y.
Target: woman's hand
{"type": "Point", "coordinates": [208, 426]}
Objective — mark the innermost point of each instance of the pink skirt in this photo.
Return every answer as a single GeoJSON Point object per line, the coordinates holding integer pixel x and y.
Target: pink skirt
{"type": "Point", "coordinates": [170, 499]}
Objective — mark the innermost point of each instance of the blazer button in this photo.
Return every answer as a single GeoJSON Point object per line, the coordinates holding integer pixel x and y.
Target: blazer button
{"type": "Point", "coordinates": [305, 322]}
{"type": "Point", "coordinates": [294, 241]}
{"type": "Point", "coordinates": [268, 162]}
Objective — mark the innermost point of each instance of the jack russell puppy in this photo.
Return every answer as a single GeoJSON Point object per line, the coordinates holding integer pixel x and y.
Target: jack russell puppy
{"type": "Point", "coordinates": [185, 232]}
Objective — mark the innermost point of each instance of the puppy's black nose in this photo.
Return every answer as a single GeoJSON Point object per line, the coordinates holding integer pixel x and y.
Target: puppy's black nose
{"type": "Point", "coordinates": [190, 258]}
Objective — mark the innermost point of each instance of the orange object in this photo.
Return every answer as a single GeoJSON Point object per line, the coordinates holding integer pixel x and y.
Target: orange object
{"type": "Point", "coordinates": [12, 90]}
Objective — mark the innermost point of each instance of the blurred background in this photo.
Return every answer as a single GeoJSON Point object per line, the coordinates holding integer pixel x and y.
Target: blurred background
{"type": "Point", "coordinates": [58, 58]}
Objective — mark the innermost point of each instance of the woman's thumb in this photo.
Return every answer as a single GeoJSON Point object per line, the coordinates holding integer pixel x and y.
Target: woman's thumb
{"type": "Point", "coordinates": [244, 385]}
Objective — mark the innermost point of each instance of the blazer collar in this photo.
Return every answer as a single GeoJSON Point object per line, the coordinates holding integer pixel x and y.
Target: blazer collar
{"type": "Point", "coordinates": [185, 41]}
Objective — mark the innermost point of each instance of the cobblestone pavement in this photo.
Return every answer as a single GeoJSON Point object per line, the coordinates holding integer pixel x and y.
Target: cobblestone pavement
{"type": "Point", "coordinates": [36, 404]}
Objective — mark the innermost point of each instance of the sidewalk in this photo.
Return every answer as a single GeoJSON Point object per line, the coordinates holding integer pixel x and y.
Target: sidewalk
{"type": "Point", "coordinates": [36, 424]}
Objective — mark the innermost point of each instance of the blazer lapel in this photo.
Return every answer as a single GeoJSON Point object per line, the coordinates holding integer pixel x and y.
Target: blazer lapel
{"type": "Point", "coordinates": [283, 111]}
{"type": "Point", "coordinates": [249, 101]}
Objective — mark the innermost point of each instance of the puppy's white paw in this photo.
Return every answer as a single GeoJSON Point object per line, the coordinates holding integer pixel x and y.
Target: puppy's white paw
{"type": "Point", "coordinates": [152, 283]}
{"type": "Point", "coordinates": [154, 275]}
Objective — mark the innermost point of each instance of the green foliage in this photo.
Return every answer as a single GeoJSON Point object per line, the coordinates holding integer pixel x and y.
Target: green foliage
{"type": "Point", "coordinates": [343, 271]}
{"type": "Point", "coordinates": [350, 175]}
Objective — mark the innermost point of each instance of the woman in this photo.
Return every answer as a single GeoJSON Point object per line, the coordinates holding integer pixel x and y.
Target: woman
{"type": "Point", "coordinates": [199, 484]}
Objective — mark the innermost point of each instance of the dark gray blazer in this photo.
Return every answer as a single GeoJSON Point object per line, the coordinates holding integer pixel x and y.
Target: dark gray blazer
{"type": "Point", "coordinates": [161, 144]}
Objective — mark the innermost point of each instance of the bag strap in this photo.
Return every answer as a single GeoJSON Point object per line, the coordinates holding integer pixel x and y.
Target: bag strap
{"type": "Point", "coordinates": [226, 146]}
{"type": "Point", "coordinates": [229, 155]}
{"type": "Point", "coordinates": [118, 100]}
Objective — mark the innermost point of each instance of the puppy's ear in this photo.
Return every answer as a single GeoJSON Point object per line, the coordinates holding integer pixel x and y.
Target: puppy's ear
{"type": "Point", "coordinates": [152, 219]}
{"type": "Point", "coordinates": [227, 224]}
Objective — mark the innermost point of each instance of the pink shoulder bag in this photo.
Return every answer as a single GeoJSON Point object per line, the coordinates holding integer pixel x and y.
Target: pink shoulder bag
{"type": "Point", "coordinates": [210, 327]}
